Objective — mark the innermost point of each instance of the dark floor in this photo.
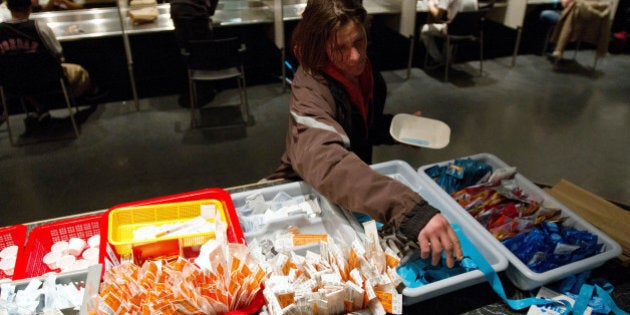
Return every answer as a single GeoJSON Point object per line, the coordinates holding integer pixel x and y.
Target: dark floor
{"type": "Point", "coordinates": [571, 124]}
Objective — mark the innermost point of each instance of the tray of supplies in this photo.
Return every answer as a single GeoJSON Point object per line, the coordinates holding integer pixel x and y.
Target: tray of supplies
{"type": "Point", "coordinates": [404, 173]}
{"type": "Point", "coordinates": [519, 272]}
{"type": "Point", "coordinates": [292, 215]}
{"type": "Point", "coordinates": [181, 207]}
{"type": "Point", "coordinates": [63, 293]}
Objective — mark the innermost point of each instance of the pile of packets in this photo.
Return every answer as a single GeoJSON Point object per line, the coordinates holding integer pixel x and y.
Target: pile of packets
{"type": "Point", "coordinates": [223, 277]}
{"type": "Point", "coordinates": [340, 279]}
{"type": "Point", "coordinates": [532, 231]}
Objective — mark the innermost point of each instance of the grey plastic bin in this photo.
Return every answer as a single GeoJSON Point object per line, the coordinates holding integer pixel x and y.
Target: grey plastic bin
{"type": "Point", "coordinates": [523, 277]}
{"type": "Point", "coordinates": [404, 173]}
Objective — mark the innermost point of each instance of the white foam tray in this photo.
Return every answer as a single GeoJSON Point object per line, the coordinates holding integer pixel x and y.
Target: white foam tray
{"type": "Point", "coordinates": [523, 277]}
{"type": "Point", "coordinates": [404, 173]}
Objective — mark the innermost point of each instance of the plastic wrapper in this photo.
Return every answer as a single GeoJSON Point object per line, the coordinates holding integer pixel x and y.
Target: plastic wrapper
{"type": "Point", "coordinates": [417, 272]}
{"type": "Point", "coordinates": [224, 277]}
{"type": "Point", "coordinates": [459, 174]}
{"type": "Point", "coordinates": [552, 245]}
{"type": "Point", "coordinates": [339, 279]}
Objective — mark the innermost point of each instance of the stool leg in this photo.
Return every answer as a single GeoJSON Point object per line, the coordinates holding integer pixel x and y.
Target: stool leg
{"type": "Point", "coordinates": [242, 85]}
{"type": "Point", "coordinates": [193, 99]}
{"type": "Point", "coordinates": [519, 30]}
{"type": "Point", "coordinates": [481, 53]}
{"type": "Point", "coordinates": [449, 56]}
{"type": "Point", "coordinates": [5, 114]}
{"type": "Point", "coordinates": [65, 94]}
{"type": "Point", "coordinates": [546, 44]}
{"type": "Point", "coordinates": [410, 59]}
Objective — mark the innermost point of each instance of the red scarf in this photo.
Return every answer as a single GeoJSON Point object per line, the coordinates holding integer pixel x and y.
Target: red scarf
{"type": "Point", "coordinates": [360, 97]}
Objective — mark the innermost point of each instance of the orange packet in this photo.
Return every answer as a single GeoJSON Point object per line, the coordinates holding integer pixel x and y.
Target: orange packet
{"type": "Point", "coordinates": [303, 239]}
{"type": "Point", "coordinates": [286, 299]}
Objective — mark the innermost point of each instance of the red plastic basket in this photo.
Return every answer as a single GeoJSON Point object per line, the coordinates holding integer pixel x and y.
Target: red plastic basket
{"type": "Point", "coordinates": [234, 232]}
{"type": "Point", "coordinates": [9, 236]}
{"type": "Point", "coordinates": [42, 237]}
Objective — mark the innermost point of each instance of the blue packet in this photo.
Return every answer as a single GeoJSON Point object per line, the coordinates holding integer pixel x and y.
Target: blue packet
{"type": "Point", "coordinates": [551, 245]}
{"type": "Point", "coordinates": [419, 272]}
{"type": "Point", "coordinates": [459, 174]}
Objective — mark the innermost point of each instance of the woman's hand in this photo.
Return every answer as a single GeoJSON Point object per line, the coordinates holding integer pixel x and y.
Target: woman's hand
{"type": "Point", "coordinates": [438, 236]}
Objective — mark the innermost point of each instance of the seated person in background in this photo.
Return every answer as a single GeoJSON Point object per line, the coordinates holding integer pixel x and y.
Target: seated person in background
{"type": "Point", "coordinates": [5, 14]}
{"type": "Point", "coordinates": [336, 116]}
{"type": "Point", "coordinates": [192, 21]}
{"type": "Point", "coordinates": [24, 34]}
{"type": "Point", "coordinates": [441, 12]}
{"type": "Point", "coordinates": [58, 5]}
{"type": "Point", "coordinates": [549, 19]}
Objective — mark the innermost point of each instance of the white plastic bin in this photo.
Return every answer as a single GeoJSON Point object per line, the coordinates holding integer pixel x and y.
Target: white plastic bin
{"type": "Point", "coordinates": [333, 220]}
{"type": "Point", "coordinates": [403, 172]}
{"type": "Point", "coordinates": [523, 277]}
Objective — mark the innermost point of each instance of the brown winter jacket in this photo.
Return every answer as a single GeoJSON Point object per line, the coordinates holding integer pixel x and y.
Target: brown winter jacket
{"type": "Point", "coordinates": [583, 20]}
{"type": "Point", "coordinates": [322, 150]}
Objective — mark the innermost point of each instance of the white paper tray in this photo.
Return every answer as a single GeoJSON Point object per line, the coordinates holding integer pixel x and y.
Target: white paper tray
{"type": "Point", "coordinates": [402, 172]}
{"type": "Point", "coordinates": [523, 277]}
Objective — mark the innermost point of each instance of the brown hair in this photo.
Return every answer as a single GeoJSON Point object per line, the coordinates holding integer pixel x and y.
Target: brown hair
{"type": "Point", "coordinates": [18, 5]}
{"type": "Point", "coordinates": [321, 19]}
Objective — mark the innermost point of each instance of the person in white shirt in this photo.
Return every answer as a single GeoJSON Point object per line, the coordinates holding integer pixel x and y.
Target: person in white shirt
{"type": "Point", "coordinates": [441, 12]}
{"type": "Point", "coordinates": [5, 14]}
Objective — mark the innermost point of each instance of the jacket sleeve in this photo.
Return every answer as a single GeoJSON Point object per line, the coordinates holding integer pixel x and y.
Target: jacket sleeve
{"type": "Point", "coordinates": [317, 150]}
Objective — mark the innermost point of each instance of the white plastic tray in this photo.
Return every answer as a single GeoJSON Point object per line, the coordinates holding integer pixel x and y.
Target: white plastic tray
{"type": "Point", "coordinates": [332, 222]}
{"type": "Point", "coordinates": [89, 278]}
{"type": "Point", "coordinates": [402, 172]}
{"type": "Point", "coordinates": [523, 277]}
{"type": "Point", "coordinates": [420, 131]}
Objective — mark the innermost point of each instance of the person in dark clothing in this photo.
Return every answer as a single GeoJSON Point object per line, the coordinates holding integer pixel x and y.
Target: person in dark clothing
{"type": "Point", "coordinates": [336, 116]}
{"type": "Point", "coordinates": [192, 21]}
{"type": "Point", "coordinates": [22, 34]}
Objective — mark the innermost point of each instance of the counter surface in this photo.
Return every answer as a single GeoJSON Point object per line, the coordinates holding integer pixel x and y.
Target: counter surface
{"type": "Point", "coordinates": [100, 22]}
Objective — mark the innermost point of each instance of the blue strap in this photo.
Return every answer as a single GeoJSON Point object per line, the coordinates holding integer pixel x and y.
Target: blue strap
{"type": "Point", "coordinates": [586, 291]}
{"type": "Point", "coordinates": [494, 280]}
{"type": "Point", "coordinates": [603, 294]}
